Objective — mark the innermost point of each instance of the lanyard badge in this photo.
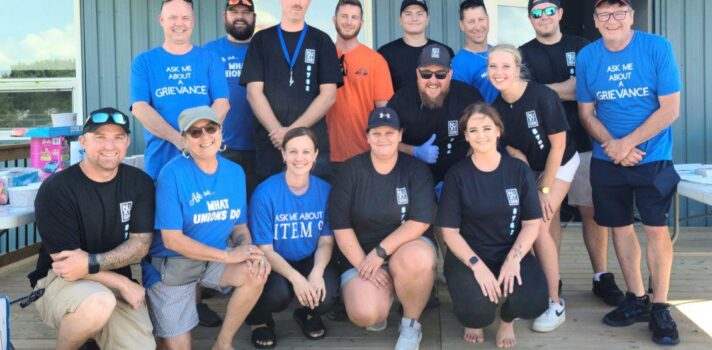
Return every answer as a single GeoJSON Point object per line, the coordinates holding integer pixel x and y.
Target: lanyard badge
{"type": "Point", "coordinates": [293, 60]}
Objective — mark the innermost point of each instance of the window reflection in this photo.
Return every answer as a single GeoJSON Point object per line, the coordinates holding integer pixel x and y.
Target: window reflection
{"type": "Point", "coordinates": [513, 25]}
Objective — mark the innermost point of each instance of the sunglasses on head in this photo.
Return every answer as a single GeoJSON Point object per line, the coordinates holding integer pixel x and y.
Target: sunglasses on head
{"type": "Point", "coordinates": [103, 117]}
{"type": "Point", "coordinates": [549, 11]}
{"type": "Point", "coordinates": [427, 74]}
{"type": "Point", "coordinates": [196, 133]}
{"type": "Point", "coordinates": [239, 2]}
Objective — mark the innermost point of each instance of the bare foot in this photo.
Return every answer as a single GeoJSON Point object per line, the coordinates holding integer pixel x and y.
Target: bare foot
{"type": "Point", "coordinates": [505, 335]}
{"type": "Point", "coordinates": [262, 342]}
{"type": "Point", "coordinates": [474, 335]}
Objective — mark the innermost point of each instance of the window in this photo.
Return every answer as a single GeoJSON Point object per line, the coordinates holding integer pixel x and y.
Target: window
{"type": "Point", "coordinates": [509, 22]}
{"type": "Point", "coordinates": [40, 60]}
{"type": "Point", "coordinates": [319, 15]}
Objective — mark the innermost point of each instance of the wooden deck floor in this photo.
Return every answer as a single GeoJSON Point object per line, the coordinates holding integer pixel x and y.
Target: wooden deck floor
{"type": "Point", "coordinates": [690, 293]}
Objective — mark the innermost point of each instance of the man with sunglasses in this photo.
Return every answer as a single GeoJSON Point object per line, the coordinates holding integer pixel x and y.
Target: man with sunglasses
{"type": "Point", "coordinates": [367, 85]}
{"type": "Point", "coordinates": [95, 218]}
{"type": "Point", "coordinates": [628, 91]}
{"type": "Point", "coordinates": [402, 54]}
{"type": "Point", "coordinates": [551, 59]}
{"type": "Point", "coordinates": [470, 63]}
{"type": "Point", "coordinates": [170, 78]}
{"type": "Point", "coordinates": [239, 124]}
{"type": "Point", "coordinates": [291, 72]}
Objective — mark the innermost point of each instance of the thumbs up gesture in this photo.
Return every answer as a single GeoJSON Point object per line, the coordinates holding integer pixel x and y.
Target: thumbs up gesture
{"type": "Point", "coordinates": [427, 152]}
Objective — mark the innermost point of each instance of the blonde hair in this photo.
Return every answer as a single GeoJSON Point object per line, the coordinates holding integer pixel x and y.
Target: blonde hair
{"type": "Point", "coordinates": [516, 54]}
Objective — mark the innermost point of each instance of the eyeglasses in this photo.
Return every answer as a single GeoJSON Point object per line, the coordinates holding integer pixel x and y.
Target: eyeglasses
{"type": "Point", "coordinates": [539, 13]}
{"type": "Point", "coordinates": [606, 16]}
{"type": "Point", "coordinates": [342, 65]}
{"type": "Point", "coordinates": [103, 117]}
{"type": "Point", "coordinates": [196, 133]}
{"type": "Point", "coordinates": [439, 75]}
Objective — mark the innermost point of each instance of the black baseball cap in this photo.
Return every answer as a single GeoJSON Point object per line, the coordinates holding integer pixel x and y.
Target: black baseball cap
{"type": "Point", "coordinates": [247, 3]}
{"type": "Point", "coordinates": [628, 3]}
{"type": "Point", "coordinates": [104, 116]}
{"type": "Point", "coordinates": [434, 54]}
{"type": "Point", "coordinates": [407, 3]}
{"type": "Point", "coordinates": [383, 116]}
{"type": "Point", "coordinates": [533, 3]}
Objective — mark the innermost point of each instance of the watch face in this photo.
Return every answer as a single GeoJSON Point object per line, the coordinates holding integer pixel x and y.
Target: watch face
{"type": "Point", "coordinates": [474, 260]}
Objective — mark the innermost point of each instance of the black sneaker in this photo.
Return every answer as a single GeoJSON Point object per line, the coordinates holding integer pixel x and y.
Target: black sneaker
{"type": "Point", "coordinates": [207, 317]}
{"type": "Point", "coordinates": [663, 326]}
{"type": "Point", "coordinates": [607, 290]}
{"type": "Point", "coordinates": [632, 310]}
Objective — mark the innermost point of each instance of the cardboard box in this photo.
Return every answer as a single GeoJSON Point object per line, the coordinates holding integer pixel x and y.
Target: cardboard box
{"type": "Point", "coordinates": [49, 154]}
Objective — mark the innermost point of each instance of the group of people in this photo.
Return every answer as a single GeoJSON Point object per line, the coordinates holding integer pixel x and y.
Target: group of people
{"type": "Point", "coordinates": [282, 165]}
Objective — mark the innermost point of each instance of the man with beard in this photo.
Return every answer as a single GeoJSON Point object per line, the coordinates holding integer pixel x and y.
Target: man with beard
{"type": "Point", "coordinates": [402, 54]}
{"type": "Point", "coordinates": [170, 78]}
{"type": "Point", "coordinates": [430, 109]}
{"type": "Point", "coordinates": [367, 84]}
{"type": "Point", "coordinates": [238, 126]}
{"type": "Point", "coordinates": [551, 59]}
{"type": "Point", "coordinates": [291, 72]}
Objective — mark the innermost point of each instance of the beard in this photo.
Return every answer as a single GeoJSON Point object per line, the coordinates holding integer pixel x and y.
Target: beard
{"type": "Point", "coordinates": [434, 102]}
{"type": "Point", "coordinates": [240, 34]}
{"type": "Point", "coordinates": [347, 36]}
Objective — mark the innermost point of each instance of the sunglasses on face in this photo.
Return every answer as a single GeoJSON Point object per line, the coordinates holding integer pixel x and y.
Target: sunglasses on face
{"type": "Point", "coordinates": [342, 65]}
{"type": "Point", "coordinates": [549, 11]}
{"type": "Point", "coordinates": [196, 133]}
{"type": "Point", "coordinates": [103, 117]}
{"type": "Point", "coordinates": [427, 74]}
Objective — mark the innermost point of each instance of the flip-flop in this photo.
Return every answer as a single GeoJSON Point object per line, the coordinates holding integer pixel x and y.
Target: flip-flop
{"type": "Point", "coordinates": [264, 334]}
{"type": "Point", "coordinates": [309, 325]}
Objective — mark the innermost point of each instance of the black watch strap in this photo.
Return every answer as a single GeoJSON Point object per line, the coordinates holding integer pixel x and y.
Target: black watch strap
{"type": "Point", "coordinates": [381, 252]}
{"type": "Point", "coordinates": [94, 266]}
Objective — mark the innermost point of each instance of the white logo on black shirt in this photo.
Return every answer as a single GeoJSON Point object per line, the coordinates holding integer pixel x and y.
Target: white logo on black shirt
{"type": "Point", "coordinates": [532, 121]}
{"type": "Point", "coordinates": [571, 59]}
{"type": "Point", "coordinates": [309, 56]}
{"type": "Point", "coordinates": [402, 196]}
{"type": "Point", "coordinates": [125, 211]}
{"type": "Point", "coordinates": [452, 128]}
{"type": "Point", "coordinates": [512, 196]}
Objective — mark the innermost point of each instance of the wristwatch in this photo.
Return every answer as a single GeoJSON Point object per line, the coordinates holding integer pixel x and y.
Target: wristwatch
{"type": "Point", "coordinates": [94, 266]}
{"type": "Point", "coordinates": [473, 260]}
{"type": "Point", "coordinates": [545, 190]}
{"type": "Point", "coordinates": [381, 252]}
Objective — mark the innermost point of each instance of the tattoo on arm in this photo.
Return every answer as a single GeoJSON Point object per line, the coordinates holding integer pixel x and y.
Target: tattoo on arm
{"type": "Point", "coordinates": [133, 249]}
{"type": "Point", "coordinates": [517, 251]}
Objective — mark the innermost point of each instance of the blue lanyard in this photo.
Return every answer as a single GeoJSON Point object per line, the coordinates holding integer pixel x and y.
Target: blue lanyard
{"type": "Point", "coordinates": [293, 60]}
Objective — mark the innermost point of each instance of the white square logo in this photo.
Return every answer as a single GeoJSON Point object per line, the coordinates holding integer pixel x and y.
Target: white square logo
{"type": "Point", "coordinates": [512, 196]}
{"type": "Point", "coordinates": [571, 59]}
{"type": "Point", "coordinates": [125, 208]}
{"type": "Point", "coordinates": [402, 196]}
{"type": "Point", "coordinates": [309, 56]}
{"type": "Point", "coordinates": [435, 53]}
{"type": "Point", "coordinates": [452, 128]}
{"type": "Point", "coordinates": [532, 121]}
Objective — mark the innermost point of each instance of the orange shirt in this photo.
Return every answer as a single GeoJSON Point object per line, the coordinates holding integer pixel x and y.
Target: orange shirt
{"type": "Point", "coordinates": [367, 80]}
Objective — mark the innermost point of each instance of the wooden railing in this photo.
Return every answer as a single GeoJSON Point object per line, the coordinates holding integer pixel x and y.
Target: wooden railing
{"type": "Point", "coordinates": [19, 242]}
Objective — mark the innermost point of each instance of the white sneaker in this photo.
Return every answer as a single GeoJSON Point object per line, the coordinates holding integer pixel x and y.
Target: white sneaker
{"type": "Point", "coordinates": [552, 318]}
{"type": "Point", "coordinates": [410, 335]}
{"type": "Point", "coordinates": [378, 327]}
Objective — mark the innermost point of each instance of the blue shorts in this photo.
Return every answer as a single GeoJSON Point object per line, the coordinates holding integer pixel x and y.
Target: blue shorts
{"type": "Point", "coordinates": [615, 188]}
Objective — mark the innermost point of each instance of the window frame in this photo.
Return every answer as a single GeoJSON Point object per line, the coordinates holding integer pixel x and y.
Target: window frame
{"type": "Point", "coordinates": [74, 84]}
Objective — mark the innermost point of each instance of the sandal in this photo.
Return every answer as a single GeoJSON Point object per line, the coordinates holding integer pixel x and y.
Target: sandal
{"type": "Point", "coordinates": [264, 334]}
{"type": "Point", "coordinates": [309, 325]}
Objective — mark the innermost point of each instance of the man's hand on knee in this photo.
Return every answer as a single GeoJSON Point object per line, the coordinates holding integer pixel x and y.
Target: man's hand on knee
{"type": "Point", "coordinates": [133, 293]}
{"type": "Point", "coordinates": [71, 265]}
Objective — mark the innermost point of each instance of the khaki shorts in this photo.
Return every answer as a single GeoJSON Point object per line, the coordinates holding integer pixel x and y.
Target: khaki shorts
{"type": "Point", "coordinates": [126, 329]}
{"type": "Point", "coordinates": [580, 193]}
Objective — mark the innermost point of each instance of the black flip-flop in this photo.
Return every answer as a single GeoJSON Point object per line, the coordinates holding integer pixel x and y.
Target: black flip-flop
{"type": "Point", "coordinates": [264, 334]}
{"type": "Point", "coordinates": [309, 325]}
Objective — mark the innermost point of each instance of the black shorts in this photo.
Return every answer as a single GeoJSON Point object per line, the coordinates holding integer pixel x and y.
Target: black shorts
{"type": "Point", "coordinates": [615, 188]}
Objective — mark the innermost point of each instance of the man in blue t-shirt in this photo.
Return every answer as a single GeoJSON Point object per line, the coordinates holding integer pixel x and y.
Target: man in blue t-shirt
{"type": "Point", "coordinates": [628, 88]}
{"type": "Point", "coordinates": [470, 64]}
{"type": "Point", "coordinates": [170, 78]}
{"type": "Point", "coordinates": [239, 124]}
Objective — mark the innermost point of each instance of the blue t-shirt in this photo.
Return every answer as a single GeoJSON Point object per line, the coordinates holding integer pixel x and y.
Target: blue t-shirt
{"type": "Point", "coordinates": [171, 83]}
{"type": "Point", "coordinates": [471, 68]}
{"type": "Point", "coordinates": [239, 124]}
{"type": "Point", "coordinates": [625, 86]}
{"type": "Point", "coordinates": [291, 223]}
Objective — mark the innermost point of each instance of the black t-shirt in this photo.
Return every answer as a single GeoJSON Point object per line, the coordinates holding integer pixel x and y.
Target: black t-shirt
{"type": "Point", "coordinates": [529, 121]}
{"type": "Point", "coordinates": [316, 64]}
{"type": "Point", "coordinates": [556, 63]}
{"type": "Point", "coordinates": [375, 205]}
{"type": "Point", "coordinates": [420, 123]}
{"type": "Point", "coordinates": [488, 207]}
{"type": "Point", "coordinates": [403, 60]}
{"type": "Point", "coordinates": [73, 212]}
